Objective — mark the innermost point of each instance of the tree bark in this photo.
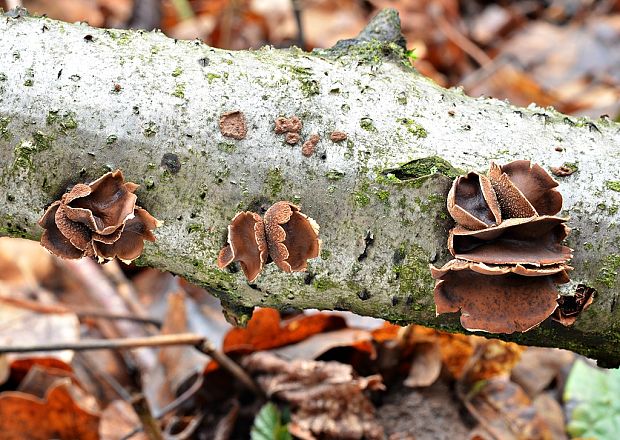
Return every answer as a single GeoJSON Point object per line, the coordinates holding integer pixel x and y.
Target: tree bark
{"type": "Point", "coordinates": [76, 102]}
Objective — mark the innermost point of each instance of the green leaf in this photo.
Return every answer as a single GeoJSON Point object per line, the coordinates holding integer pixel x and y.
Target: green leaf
{"type": "Point", "coordinates": [268, 425]}
{"type": "Point", "coordinates": [594, 396]}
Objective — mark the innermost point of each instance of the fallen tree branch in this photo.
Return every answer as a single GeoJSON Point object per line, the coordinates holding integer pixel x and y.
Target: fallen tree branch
{"type": "Point", "coordinates": [77, 101]}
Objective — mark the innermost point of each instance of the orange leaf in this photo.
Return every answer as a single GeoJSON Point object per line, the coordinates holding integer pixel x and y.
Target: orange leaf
{"type": "Point", "coordinates": [265, 330]}
{"type": "Point", "coordinates": [57, 416]}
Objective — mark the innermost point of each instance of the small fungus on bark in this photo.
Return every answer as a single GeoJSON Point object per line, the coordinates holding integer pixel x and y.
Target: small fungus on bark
{"type": "Point", "coordinates": [563, 170]}
{"type": "Point", "coordinates": [307, 149]}
{"type": "Point", "coordinates": [99, 219]}
{"type": "Point", "coordinates": [508, 249]}
{"type": "Point", "coordinates": [288, 125]}
{"type": "Point", "coordinates": [570, 306]}
{"type": "Point", "coordinates": [232, 125]}
{"type": "Point", "coordinates": [338, 136]}
{"type": "Point", "coordinates": [292, 138]}
{"type": "Point", "coordinates": [286, 235]}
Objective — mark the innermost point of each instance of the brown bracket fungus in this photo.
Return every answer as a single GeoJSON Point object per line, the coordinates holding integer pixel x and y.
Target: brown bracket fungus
{"type": "Point", "coordinates": [472, 202]}
{"type": "Point", "coordinates": [286, 235]}
{"type": "Point", "coordinates": [100, 220]}
{"type": "Point", "coordinates": [570, 306]}
{"type": "Point", "coordinates": [508, 249]}
{"type": "Point", "coordinates": [246, 244]}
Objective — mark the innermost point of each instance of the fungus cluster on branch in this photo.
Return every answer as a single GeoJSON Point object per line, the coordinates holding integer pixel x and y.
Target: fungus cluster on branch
{"type": "Point", "coordinates": [286, 236]}
{"type": "Point", "coordinates": [99, 219]}
{"type": "Point", "coordinates": [508, 249]}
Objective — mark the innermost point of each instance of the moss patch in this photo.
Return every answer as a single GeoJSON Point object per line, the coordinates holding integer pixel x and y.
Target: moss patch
{"type": "Point", "coordinates": [413, 127]}
{"type": "Point", "coordinates": [609, 271]}
{"type": "Point", "coordinates": [179, 91]}
{"type": "Point", "coordinates": [361, 196]}
{"type": "Point", "coordinates": [212, 76]}
{"type": "Point", "coordinates": [65, 120]}
{"type": "Point", "coordinates": [42, 141]}
{"type": "Point", "coordinates": [368, 125]}
{"type": "Point", "coordinates": [309, 86]}
{"type": "Point", "coordinates": [23, 154]}
{"type": "Point", "coordinates": [5, 134]}
{"type": "Point", "coordinates": [375, 52]}
{"type": "Point", "coordinates": [334, 175]}
{"type": "Point", "coordinates": [226, 147]}
{"type": "Point", "coordinates": [383, 195]}
{"type": "Point", "coordinates": [321, 284]}
{"type": "Point", "coordinates": [417, 170]}
{"type": "Point", "coordinates": [274, 181]}
{"type": "Point", "coordinates": [613, 185]}
{"type": "Point", "coordinates": [413, 275]}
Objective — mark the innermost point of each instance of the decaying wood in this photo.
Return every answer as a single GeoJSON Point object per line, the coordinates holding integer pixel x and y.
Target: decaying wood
{"type": "Point", "coordinates": [76, 102]}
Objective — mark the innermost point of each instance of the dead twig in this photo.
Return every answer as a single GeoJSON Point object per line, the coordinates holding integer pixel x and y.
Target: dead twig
{"type": "Point", "coordinates": [196, 386]}
{"type": "Point", "coordinates": [149, 424]}
{"type": "Point", "coordinates": [229, 365]}
{"type": "Point", "coordinates": [200, 342]}
{"type": "Point", "coordinates": [80, 312]}
{"type": "Point", "coordinates": [457, 37]}
{"type": "Point", "coordinates": [110, 344]}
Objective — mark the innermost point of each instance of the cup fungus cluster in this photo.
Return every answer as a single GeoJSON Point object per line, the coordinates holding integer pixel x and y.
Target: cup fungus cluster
{"type": "Point", "coordinates": [507, 248]}
{"type": "Point", "coordinates": [99, 219]}
{"type": "Point", "coordinates": [285, 236]}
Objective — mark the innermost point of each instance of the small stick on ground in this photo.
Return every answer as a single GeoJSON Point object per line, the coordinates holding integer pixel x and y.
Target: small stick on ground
{"type": "Point", "coordinates": [229, 365]}
{"type": "Point", "coordinates": [200, 342]}
{"type": "Point", "coordinates": [149, 423]}
{"type": "Point", "coordinates": [110, 344]}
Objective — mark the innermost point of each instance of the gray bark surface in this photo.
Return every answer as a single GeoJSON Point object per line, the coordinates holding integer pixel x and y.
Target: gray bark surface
{"type": "Point", "coordinates": [72, 108]}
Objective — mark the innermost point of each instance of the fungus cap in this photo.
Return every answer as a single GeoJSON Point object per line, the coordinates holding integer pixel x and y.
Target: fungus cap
{"type": "Point", "coordinates": [535, 241]}
{"type": "Point", "coordinates": [498, 303]}
{"type": "Point", "coordinates": [292, 236]}
{"type": "Point", "coordinates": [472, 202]}
{"type": "Point", "coordinates": [98, 219]}
{"type": "Point", "coordinates": [524, 189]}
{"type": "Point", "coordinates": [246, 244]}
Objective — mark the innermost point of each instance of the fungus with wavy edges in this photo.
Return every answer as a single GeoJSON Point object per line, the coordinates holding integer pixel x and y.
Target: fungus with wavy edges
{"type": "Point", "coordinates": [286, 236]}
{"type": "Point", "coordinates": [508, 249]}
{"type": "Point", "coordinates": [99, 219]}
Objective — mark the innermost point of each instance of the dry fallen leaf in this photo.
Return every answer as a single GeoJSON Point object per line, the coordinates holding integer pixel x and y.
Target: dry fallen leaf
{"type": "Point", "coordinates": [327, 398]}
{"type": "Point", "coordinates": [21, 324]}
{"type": "Point", "coordinates": [178, 366]}
{"type": "Point", "coordinates": [504, 410]}
{"type": "Point", "coordinates": [425, 365]}
{"type": "Point", "coordinates": [24, 263]}
{"type": "Point", "coordinates": [58, 416]}
{"type": "Point", "coordinates": [318, 344]}
{"type": "Point", "coordinates": [538, 367]}
{"type": "Point", "coordinates": [118, 420]}
{"type": "Point", "coordinates": [265, 330]}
